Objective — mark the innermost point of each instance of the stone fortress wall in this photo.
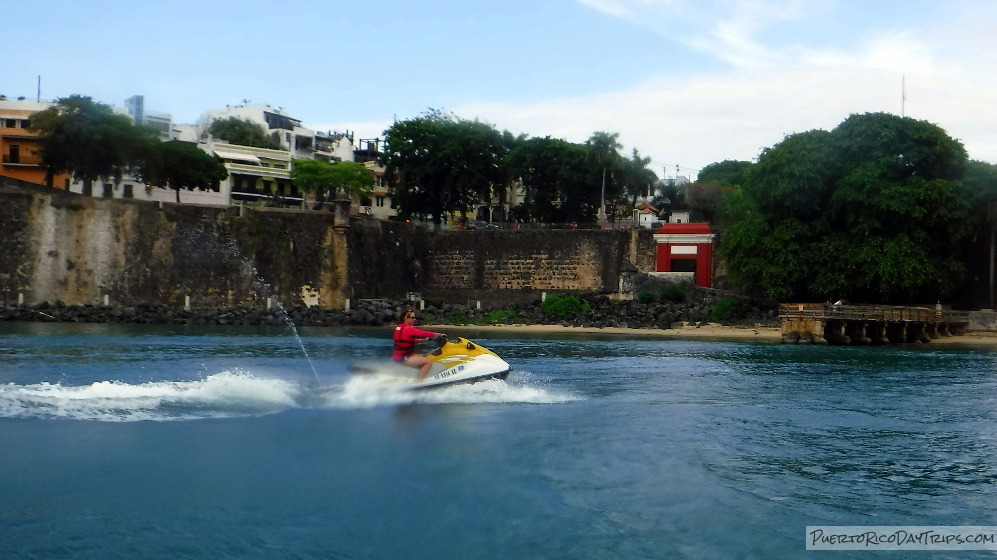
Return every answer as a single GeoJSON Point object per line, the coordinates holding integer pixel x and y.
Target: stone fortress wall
{"type": "Point", "coordinates": [82, 250]}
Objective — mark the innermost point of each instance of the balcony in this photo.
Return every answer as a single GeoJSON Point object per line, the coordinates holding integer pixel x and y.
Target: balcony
{"type": "Point", "coordinates": [14, 160]}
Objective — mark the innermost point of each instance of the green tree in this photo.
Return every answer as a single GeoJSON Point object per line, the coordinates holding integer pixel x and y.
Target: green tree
{"type": "Point", "coordinates": [322, 178]}
{"type": "Point", "coordinates": [874, 210]}
{"type": "Point", "coordinates": [243, 132]}
{"type": "Point", "coordinates": [88, 140]}
{"type": "Point", "coordinates": [438, 164]}
{"type": "Point", "coordinates": [540, 164]}
{"type": "Point", "coordinates": [313, 176]}
{"type": "Point", "coordinates": [637, 179]}
{"type": "Point", "coordinates": [728, 173]}
{"type": "Point", "coordinates": [604, 152]}
{"type": "Point", "coordinates": [981, 184]}
{"type": "Point", "coordinates": [353, 178]}
{"type": "Point", "coordinates": [181, 165]}
{"type": "Point", "coordinates": [706, 198]}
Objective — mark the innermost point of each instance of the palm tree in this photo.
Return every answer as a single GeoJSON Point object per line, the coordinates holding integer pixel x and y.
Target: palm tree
{"type": "Point", "coordinates": [603, 148]}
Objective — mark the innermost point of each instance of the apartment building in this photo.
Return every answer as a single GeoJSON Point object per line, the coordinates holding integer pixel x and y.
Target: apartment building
{"type": "Point", "coordinates": [18, 144]}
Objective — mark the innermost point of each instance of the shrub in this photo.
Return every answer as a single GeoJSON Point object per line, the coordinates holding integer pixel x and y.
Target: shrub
{"type": "Point", "coordinates": [673, 292]}
{"type": "Point", "coordinates": [727, 309]}
{"type": "Point", "coordinates": [645, 296]}
{"type": "Point", "coordinates": [459, 317]}
{"type": "Point", "coordinates": [560, 306]}
{"type": "Point", "coordinates": [501, 316]}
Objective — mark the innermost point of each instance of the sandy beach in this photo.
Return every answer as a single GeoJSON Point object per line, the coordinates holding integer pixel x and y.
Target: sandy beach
{"type": "Point", "coordinates": [712, 331]}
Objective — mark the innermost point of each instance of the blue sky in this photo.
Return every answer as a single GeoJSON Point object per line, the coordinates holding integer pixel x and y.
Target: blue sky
{"type": "Point", "coordinates": [686, 82]}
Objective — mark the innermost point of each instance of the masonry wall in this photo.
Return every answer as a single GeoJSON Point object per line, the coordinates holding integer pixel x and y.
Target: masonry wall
{"type": "Point", "coordinates": [518, 265]}
{"type": "Point", "coordinates": [79, 250]}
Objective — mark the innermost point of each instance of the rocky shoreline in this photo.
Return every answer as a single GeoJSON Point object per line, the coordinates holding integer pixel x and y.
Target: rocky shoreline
{"type": "Point", "coordinates": [602, 313]}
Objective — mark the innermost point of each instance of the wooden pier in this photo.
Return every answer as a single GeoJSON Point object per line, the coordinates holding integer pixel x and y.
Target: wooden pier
{"type": "Point", "coordinates": [820, 323]}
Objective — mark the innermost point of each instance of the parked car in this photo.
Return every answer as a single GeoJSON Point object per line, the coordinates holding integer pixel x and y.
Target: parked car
{"type": "Point", "coordinates": [481, 224]}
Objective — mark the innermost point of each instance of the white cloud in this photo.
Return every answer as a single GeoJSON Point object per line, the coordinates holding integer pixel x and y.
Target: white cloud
{"type": "Point", "coordinates": [772, 89]}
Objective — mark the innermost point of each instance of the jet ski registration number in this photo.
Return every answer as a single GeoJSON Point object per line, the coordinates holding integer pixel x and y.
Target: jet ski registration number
{"type": "Point", "coordinates": [449, 372]}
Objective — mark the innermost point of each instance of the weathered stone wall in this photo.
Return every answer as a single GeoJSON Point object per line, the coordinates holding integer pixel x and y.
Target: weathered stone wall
{"type": "Point", "coordinates": [83, 250]}
{"type": "Point", "coordinates": [516, 266]}
{"type": "Point", "coordinates": [386, 259]}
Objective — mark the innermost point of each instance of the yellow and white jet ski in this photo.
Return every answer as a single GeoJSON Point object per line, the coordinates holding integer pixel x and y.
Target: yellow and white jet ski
{"type": "Point", "coordinates": [454, 362]}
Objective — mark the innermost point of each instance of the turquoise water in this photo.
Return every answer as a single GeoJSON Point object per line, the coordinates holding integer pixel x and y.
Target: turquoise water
{"type": "Point", "coordinates": [127, 442]}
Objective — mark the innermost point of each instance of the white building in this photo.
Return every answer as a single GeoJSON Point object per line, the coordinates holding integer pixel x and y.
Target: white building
{"type": "Point", "coordinates": [297, 140]}
{"type": "Point", "coordinates": [255, 175]}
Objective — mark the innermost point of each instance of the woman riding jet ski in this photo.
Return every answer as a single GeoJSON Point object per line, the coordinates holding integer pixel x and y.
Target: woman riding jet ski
{"type": "Point", "coordinates": [451, 363]}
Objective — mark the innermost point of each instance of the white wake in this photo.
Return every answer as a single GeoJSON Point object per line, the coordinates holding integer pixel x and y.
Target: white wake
{"type": "Point", "coordinates": [240, 393]}
{"type": "Point", "coordinates": [223, 394]}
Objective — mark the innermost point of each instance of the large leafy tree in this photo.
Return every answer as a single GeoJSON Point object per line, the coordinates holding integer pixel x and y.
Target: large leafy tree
{"type": "Point", "coordinates": [706, 197]}
{"type": "Point", "coordinates": [438, 164]}
{"type": "Point", "coordinates": [243, 133]}
{"type": "Point", "coordinates": [323, 178]}
{"type": "Point", "coordinates": [89, 140]}
{"type": "Point", "coordinates": [728, 173]}
{"type": "Point", "coordinates": [557, 180]}
{"type": "Point", "coordinates": [540, 164]}
{"type": "Point", "coordinates": [981, 183]}
{"type": "Point", "coordinates": [181, 165]}
{"type": "Point", "coordinates": [874, 210]}
{"type": "Point", "coordinates": [353, 178]}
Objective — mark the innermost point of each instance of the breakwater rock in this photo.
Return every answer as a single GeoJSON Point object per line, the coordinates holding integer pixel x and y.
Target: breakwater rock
{"type": "Point", "coordinates": [602, 312]}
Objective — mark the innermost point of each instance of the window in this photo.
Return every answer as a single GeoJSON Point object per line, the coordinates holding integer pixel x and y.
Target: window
{"type": "Point", "coordinates": [108, 190]}
{"type": "Point", "coordinates": [128, 192]}
{"type": "Point", "coordinates": [380, 202]}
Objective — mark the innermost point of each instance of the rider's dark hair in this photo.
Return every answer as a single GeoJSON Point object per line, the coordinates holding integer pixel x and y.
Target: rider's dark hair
{"type": "Point", "coordinates": [406, 311]}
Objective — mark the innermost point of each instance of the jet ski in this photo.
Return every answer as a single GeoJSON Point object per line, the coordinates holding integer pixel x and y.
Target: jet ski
{"type": "Point", "coordinates": [454, 362]}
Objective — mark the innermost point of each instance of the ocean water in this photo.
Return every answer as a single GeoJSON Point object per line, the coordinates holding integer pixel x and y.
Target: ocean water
{"type": "Point", "coordinates": [156, 442]}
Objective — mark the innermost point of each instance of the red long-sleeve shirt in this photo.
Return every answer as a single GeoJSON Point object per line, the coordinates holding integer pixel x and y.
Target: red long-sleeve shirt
{"type": "Point", "coordinates": [405, 338]}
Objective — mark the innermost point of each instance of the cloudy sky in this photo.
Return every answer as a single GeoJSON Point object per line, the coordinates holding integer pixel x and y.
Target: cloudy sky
{"type": "Point", "coordinates": [685, 82]}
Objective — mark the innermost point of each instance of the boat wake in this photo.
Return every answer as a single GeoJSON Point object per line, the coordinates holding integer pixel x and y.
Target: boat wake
{"type": "Point", "coordinates": [237, 393]}
{"type": "Point", "coordinates": [364, 392]}
{"type": "Point", "coordinates": [229, 393]}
